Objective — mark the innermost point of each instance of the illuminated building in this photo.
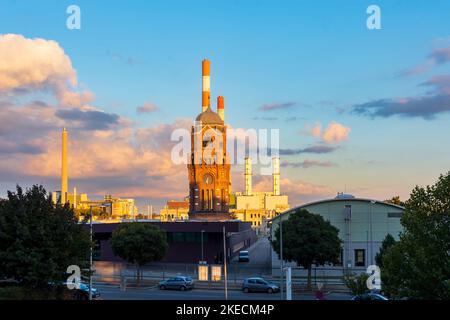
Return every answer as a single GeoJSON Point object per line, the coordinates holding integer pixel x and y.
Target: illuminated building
{"type": "Point", "coordinates": [175, 211]}
{"type": "Point", "coordinates": [208, 168]}
{"type": "Point", "coordinates": [259, 207]}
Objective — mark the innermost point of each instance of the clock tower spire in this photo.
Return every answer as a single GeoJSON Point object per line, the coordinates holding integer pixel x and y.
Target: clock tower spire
{"type": "Point", "coordinates": [208, 168]}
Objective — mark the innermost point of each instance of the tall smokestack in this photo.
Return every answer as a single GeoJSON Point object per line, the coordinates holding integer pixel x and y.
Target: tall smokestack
{"type": "Point", "coordinates": [248, 176]}
{"type": "Point", "coordinates": [221, 107]}
{"type": "Point", "coordinates": [64, 172]}
{"type": "Point", "coordinates": [74, 197]}
{"type": "Point", "coordinates": [276, 176]}
{"type": "Point", "coordinates": [206, 82]}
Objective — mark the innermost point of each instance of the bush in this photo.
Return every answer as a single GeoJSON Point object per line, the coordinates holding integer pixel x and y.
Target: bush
{"type": "Point", "coordinates": [357, 283]}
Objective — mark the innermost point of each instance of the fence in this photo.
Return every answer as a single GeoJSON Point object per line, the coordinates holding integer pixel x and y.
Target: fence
{"type": "Point", "coordinates": [113, 272]}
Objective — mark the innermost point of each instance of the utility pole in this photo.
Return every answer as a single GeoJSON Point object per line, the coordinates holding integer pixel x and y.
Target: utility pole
{"type": "Point", "coordinates": [225, 264]}
{"type": "Point", "coordinates": [281, 257]}
{"type": "Point", "coordinates": [90, 258]}
{"type": "Point", "coordinates": [202, 244]}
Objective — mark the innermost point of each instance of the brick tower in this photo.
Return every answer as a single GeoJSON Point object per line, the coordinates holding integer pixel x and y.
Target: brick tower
{"type": "Point", "coordinates": [208, 168]}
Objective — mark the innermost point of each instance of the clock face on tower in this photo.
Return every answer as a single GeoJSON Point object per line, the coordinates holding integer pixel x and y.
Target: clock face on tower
{"type": "Point", "coordinates": [207, 179]}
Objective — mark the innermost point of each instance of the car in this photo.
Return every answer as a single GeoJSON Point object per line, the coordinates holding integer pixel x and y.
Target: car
{"type": "Point", "coordinates": [259, 285]}
{"type": "Point", "coordinates": [371, 296]}
{"type": "Point", "coordinates": [80, 293]}
{"type": "Point", "coordinates": [243, 256]}
{"type": "Point", "coordinates": [178, 283]}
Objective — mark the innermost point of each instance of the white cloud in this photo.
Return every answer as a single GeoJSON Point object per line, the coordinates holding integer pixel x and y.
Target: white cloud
{"type": "Point", "coordinates": [334, 132]}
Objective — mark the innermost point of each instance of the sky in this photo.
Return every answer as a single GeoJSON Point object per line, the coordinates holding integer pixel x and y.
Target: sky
{"type": "Point", "coordinates": [359, 111]}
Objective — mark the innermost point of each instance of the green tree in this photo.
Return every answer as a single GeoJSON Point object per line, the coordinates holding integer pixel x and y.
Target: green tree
{"type": "Point", "coordinates": [139, 244]}
{"type": "Point", "coordinates": [308, 239]}
{"type": "Point", "coordinates": [357, 283]}
{"type": "Point", "coordinates": [388, 242]}
{"type": "Point", "coordinates": [418, 265]}
{"type": "Point", "coordinates": [39, 240]}
{"type": "Point", "coordinates": [395, 200]}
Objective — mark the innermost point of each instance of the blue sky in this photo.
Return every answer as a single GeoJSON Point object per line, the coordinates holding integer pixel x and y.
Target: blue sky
{"type": "Point", "coordinates": [318, 56]}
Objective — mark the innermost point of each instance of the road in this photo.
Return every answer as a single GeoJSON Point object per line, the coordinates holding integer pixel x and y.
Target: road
{"type": "Point", "coordinates": [111, 292]}
{"type": "Point", "coordinates": [259, 253]}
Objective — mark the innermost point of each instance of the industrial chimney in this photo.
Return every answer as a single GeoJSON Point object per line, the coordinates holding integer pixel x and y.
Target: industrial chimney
{"type": "Point", "coordinates": [276, 176]}
{"type": "Point", "coordinates": [221, 107]}
{"type": "Point", "coordinates": [74, 197]}
{"type": "Point", "coordinates": [64, 170]}
{"type": "Point", "coordinates": [248, 176]}
{"type": "Point", "coordinates": [206, 82]}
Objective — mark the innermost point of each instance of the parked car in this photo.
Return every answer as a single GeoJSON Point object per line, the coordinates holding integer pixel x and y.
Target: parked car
{"type": "Point", "coordinates": [178, 283]}
{"type": "Point", "coordinates": [243, 256]}
{"type": "Point", "coordinates": [81, 293]}
{"type": "Point", "coordinates": [369, 297]}
{"type": "Point", "coordinates": [259, 285]}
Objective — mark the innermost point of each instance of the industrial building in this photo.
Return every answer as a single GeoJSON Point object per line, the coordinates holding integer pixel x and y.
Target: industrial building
{"type": "Point", "coordinates": [362, 224]}
{"type": "Point", "coordinates": [175, 211]}
{"type": "Point", "coordinates": [114, 208]}
{"type": "Point", "coordinates": [185, 240]}
{"type": "Point", "coordinates": [259, 207]}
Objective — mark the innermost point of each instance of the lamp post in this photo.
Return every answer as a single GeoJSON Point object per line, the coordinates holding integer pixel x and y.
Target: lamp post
{"type": "Point", "coordinates": [202, 244]}
{"type": "Point", "coordinates": [371, 232]}
{"type": "Point", "coordinates": [225, 264]}
{"type": "Point", "coordinates": [90, 256]}
{"type": "Point", "coordinates": [281, 257]}
{"type": "Point", "coordinates": [92, 249]}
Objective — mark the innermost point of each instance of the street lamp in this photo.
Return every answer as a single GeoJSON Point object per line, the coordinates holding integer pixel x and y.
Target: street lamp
{"type": "Point", "coordinates": [371, 232]}
{"type": "Point", "coordinates": [281, 257]}
{"type": "Point", "coordinates": [225, 264]}
{"type": "Point", "coordinates": [91, 249]}
{"type": "Point", "coordinates": [90, 256]}
{"type": "Point", "coordinates": [202, 244]}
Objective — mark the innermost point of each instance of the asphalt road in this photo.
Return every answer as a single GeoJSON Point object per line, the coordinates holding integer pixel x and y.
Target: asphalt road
{"type": "Point", "coordinates": [112, 292]}
{"type": "Point", "coordinates": [259, 253]}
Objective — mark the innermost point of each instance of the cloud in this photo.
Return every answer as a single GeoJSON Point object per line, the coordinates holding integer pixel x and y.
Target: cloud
{"type": "Point", "coordinates": [147, 107]}
{"type": "Point", "coordinates": [313, 149]}
{"type": "Point", "coordinates": [426, 107]}
{"type": "Point", "coordinates": [265, 118]}
{"type": "Point", "coordinates": [334, 132]}
{"type": "Point", "coordinates": [33, 63]}
{"type": "Point", "coordinates": [107, 155]}
{"type": "Point", "coordinates": [89, 120]}
{"type": "Point", "coordinates": [316, 131]}
{"type": "Point", "coordinates": [293, 118]}
{"type": "Point", "coordinates": [8, 147]}
{"type": "Point", "coordinates": [438, 56]}
{"type": "Point", "coordinates": [27, 65]}
{"type": "Point", "coordinates": [276, 106]}
{"type": "Point", "coordinates": [440, 84]}
{"type": "Point", "coordinates": [298, 191]}
{"type": "Point", "coordinates": [308, 164]}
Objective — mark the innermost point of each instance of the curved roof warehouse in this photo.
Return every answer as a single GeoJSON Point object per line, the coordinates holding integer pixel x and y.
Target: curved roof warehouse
{"type": "Point", "coordinates": [362, 224]}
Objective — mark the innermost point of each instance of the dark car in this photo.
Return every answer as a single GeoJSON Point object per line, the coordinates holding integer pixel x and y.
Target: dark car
{"type": "Point", "coordinates": [259, 285]}
{"type": "Point", "coordinates": [243, 256]}
{"type": "Point", "coordinates": [178, 283]}
{"type": "Point", "coordinates": [370, 297]}
{"type": "Point", "coordinates": [80, 293]}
